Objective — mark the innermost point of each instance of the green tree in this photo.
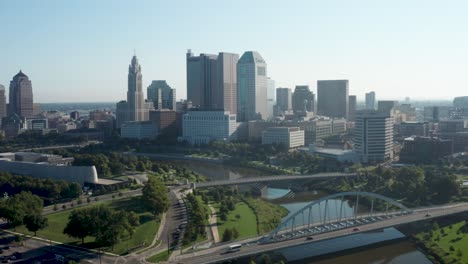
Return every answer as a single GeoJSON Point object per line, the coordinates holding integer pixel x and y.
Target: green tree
{"type": "Point", "coordinates": [35, 222]}
{"type": "Point", "coordinates": [235, 233]}
{"type": "Point", "coordinates": [227, 235]}
{"type": "Point", "coordinates": [155, 196]}
{"type": "Point", "coordinates": [15, 208]}
{"type": "Point", "coordinates": [79, 224]}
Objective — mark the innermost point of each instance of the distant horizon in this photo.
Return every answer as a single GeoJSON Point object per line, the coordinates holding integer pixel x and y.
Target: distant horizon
{"type": "Point", "coordinates": [80, 50]}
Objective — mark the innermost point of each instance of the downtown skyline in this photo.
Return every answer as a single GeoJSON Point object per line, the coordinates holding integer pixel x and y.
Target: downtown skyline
{"type": "Point", "coordinates": [417, 55]}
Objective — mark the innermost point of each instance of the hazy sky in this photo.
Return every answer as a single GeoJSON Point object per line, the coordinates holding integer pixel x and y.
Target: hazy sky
{"type": "Point", "coordinates": [75, 51]}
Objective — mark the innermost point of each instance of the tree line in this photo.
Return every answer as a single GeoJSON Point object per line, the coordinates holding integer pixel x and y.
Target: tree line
{"type": "Point", "coordinates": [49, 190]}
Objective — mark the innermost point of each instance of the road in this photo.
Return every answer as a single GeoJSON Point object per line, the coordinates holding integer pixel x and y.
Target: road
{"type": "Point", "coordinates": [105, 197]}
{"type": "Point", "coordinates": [63, 146]}
{"type": "Point", "coordinates": [217, 254]}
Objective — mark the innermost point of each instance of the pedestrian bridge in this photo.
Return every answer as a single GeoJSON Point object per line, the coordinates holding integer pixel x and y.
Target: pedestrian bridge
{"type": "Point", "coordinates": [337, 211]}
{"type": "Point", "coordinates": [249, 180]}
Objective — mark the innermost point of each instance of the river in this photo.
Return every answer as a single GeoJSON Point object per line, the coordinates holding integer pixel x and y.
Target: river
{"type": "Point", "coordinates": [398, 252]}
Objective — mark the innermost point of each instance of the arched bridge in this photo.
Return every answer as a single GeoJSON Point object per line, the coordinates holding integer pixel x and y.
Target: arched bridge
{"type": "Point", "coordinates": [337, 211]}
{"type": "Point", "coordinates": [249, 180]}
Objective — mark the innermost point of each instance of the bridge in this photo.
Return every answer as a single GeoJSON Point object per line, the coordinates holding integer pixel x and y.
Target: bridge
{"type": "Point", "coordinates": [333, 221]}
{"type": "Point", "coordinates": [249, 180]}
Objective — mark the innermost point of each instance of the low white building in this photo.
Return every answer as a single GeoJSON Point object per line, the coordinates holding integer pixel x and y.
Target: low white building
{"type": "Point", "coordinates": [341, 155]}
{"type": "Point", "coordinates": [202, 127]}
{"type": "Point", "coordinates": [292, 137]}
{"type": "Point", "coordinates": [138, 130]}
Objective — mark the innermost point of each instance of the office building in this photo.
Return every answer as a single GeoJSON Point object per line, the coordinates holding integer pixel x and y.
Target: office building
{"type": "Point", "coordinates": [332, 98]}
{"type": "Point", "coordinates": [408, 129]}
{"type": "Point", "coordinates": [370, 101]}
{"type": "Point", "coordinates": [161, 95]}
{"type": "Point", "coordinates": [37, 123]}
{"type": "Point", "coordinates": [373, 136]}
{"type": "Point", "coordinates": [424, 149]}
{"type": "Point", "coordinates": [135, 97]}
{"type": "Point", "coordinates": [303, 101]}
{"type": "Point", "coordinates": [252, 83]}
{"type": "Point", "coordinates": [74, 115]}
{"type": "Point", "coordinates": [21, 96]}
{"type": "Point", "coordinates": [139, 130]}
{"type": "Point", "coordinates": [202, 127]}
{"type": "Point", "coordinates": [271, 98]}
{"type": "Point", "coordinates": [460, 102]}
{"type": "Point", "coordinates": [167, 122]}
{"type": "Point", "coordinates": [291, 137]}
{"type": "Point", "coordinates": [387, 107]}
{"type": "Point", "coordinates": [283, 100]}
{"type": "Point", "coordinates": [352, 108]}
{"type": "Point", "coordinates": [436, 113]}
{"type": "Point", "coordinates": [212, 81]}
{"type": "Point", "coordinates": [3, 104]}
{"type": "Point", "coordinates": [121, 113]}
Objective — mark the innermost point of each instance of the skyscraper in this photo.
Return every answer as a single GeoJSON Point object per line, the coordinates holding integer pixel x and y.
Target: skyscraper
{"type": "Point", "coordinates": [333, 98]}
{"type": "Point", "coordinates": [370, 101]}
{"type": "Point", "coordinates": [225, 93]}
{"type": "Point", "coordinates": [3, 110]}
{"type": "Point", "coordinates": [212, 81]}
{"type": "Point", "coordinates": [271, 98]}
{"type": "Point", "coordinates": [252, 83]}
{"type": "Point", "coordinates": [352, 108]}
{"type": "Point", "coordinates": [162, 95]}
{"type": "Point", "coordinates": [373, 136]}
{"type": "Point", "coordinates": [121, 113]}
{"type": "Point", "coordinates": [21, 96]}
{"type": "Point", "coordinates": [135, 98]}
{"type": "Point", "coordinates": [283, 100]}
{"type": "Point", "coordinates": [303, 100]}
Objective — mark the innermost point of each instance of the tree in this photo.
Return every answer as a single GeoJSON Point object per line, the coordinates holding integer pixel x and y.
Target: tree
{"type": "Point", "coordinates": [15, 208]}
{"type": "Point", "coordinates": [35, 222]}
{"type": "Point", "coordinates": [155, 196]}
{"type": "Point", "coordinates": [79, 225]}
{"type": "Point", "coordinates": [227, 235]}
{"type": "Point", "coordinates": [235, 233]}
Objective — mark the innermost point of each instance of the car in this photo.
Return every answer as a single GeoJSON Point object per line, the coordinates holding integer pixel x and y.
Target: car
{"type": "Point", "coordinates": [356, 229]}
{"type": "Point", "coordinates": [428, 215]}
{"type": "Point", "coordinates": [309, 238]}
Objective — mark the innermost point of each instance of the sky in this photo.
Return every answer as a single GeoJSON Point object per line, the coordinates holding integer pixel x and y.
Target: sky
{"type": "Point", "coordinates": [79, 51]}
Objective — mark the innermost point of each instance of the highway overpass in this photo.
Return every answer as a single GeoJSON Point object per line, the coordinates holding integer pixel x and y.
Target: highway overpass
{"type": "Point", "coordinates": [217, 254]}
{"type": "Point", "coordinates": [249, 180]}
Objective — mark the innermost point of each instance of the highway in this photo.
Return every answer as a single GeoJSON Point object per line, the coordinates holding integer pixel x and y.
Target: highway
{"type": "Point", "coordinates": [217, 254]}
{"type": "Point", "coordinates": [248, 180]}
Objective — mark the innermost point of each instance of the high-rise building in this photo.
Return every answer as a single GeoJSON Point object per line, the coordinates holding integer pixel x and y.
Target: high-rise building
{"type": "Point", "coordinates": [303, 100]}
{"type": "Point", "coordinates": [333, 98]}
{"type": "Point", "coordinates": [202, 127]}
{"type": "Point", "coordinates": [373, 136]}
{"type": "Point", "coordinates": [460, 102]}
{"type": "Point", "coordinates": [387, 107]}
{"type": "Point", "coordinates": [162, 95]}
{"type": "Point", "coordinates": [21, 96]}
{"type": "Point", "coordinates": [352, 108]}
{"type": "Point", "coordinates": [135, 98]}
{"type": "Point", "coordinates": [252, 83]}
{"type": "Point", "coordinates": [370, 101]}
{"type": "Point", "coordinates": [283, 100]}
{"type": "Point", "coordinates": [121, 113]}
{"type": "Point", "coordinates": [212, 81]}
{"type": "Point", "coordinates": [3, 104]}
{"type": "Point", "coordinates": [225, 93]}
{"type": "Point", "coordinates": [271, 98]}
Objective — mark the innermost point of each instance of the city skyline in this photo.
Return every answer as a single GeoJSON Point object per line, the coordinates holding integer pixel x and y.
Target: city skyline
{"type": "Point", "coordinates": [423, 50]}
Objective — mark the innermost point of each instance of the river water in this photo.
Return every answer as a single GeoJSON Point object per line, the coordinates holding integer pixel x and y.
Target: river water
{"type": "Point", "coordinates": [394, 253]}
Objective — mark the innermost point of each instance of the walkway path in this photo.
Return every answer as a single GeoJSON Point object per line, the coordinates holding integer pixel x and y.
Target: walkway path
{"type": "Point", "coordinates": [213, 224]}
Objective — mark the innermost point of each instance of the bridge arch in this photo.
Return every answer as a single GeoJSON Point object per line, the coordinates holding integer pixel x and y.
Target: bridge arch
{"type": "Point", "coordinates": [291, 220]}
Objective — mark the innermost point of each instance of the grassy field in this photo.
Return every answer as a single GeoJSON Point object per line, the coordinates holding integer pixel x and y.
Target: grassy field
{"type": "Point", "coordinates": [269, 215]}
{"type": "Point", "coordinates": [246, 224]}
{"type": "Point", "coordinates": [144, 233]}
{"type": "Point", "coordinates": [163, 256]}
{"type": "Point", "coordinates": [446, 243]}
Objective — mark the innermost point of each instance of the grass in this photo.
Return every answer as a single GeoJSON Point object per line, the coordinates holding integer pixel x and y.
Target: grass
{"type": "Point", "coordinates": [268, 215]}
{"type": "Point", "coordinates": [246, 224]}
{"type": "Point", "coordinates": [143, 235]}
{"type": "Point", "coordinates": [161, 257]}
{"type": "Point", "coordinates": [440, 242]}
